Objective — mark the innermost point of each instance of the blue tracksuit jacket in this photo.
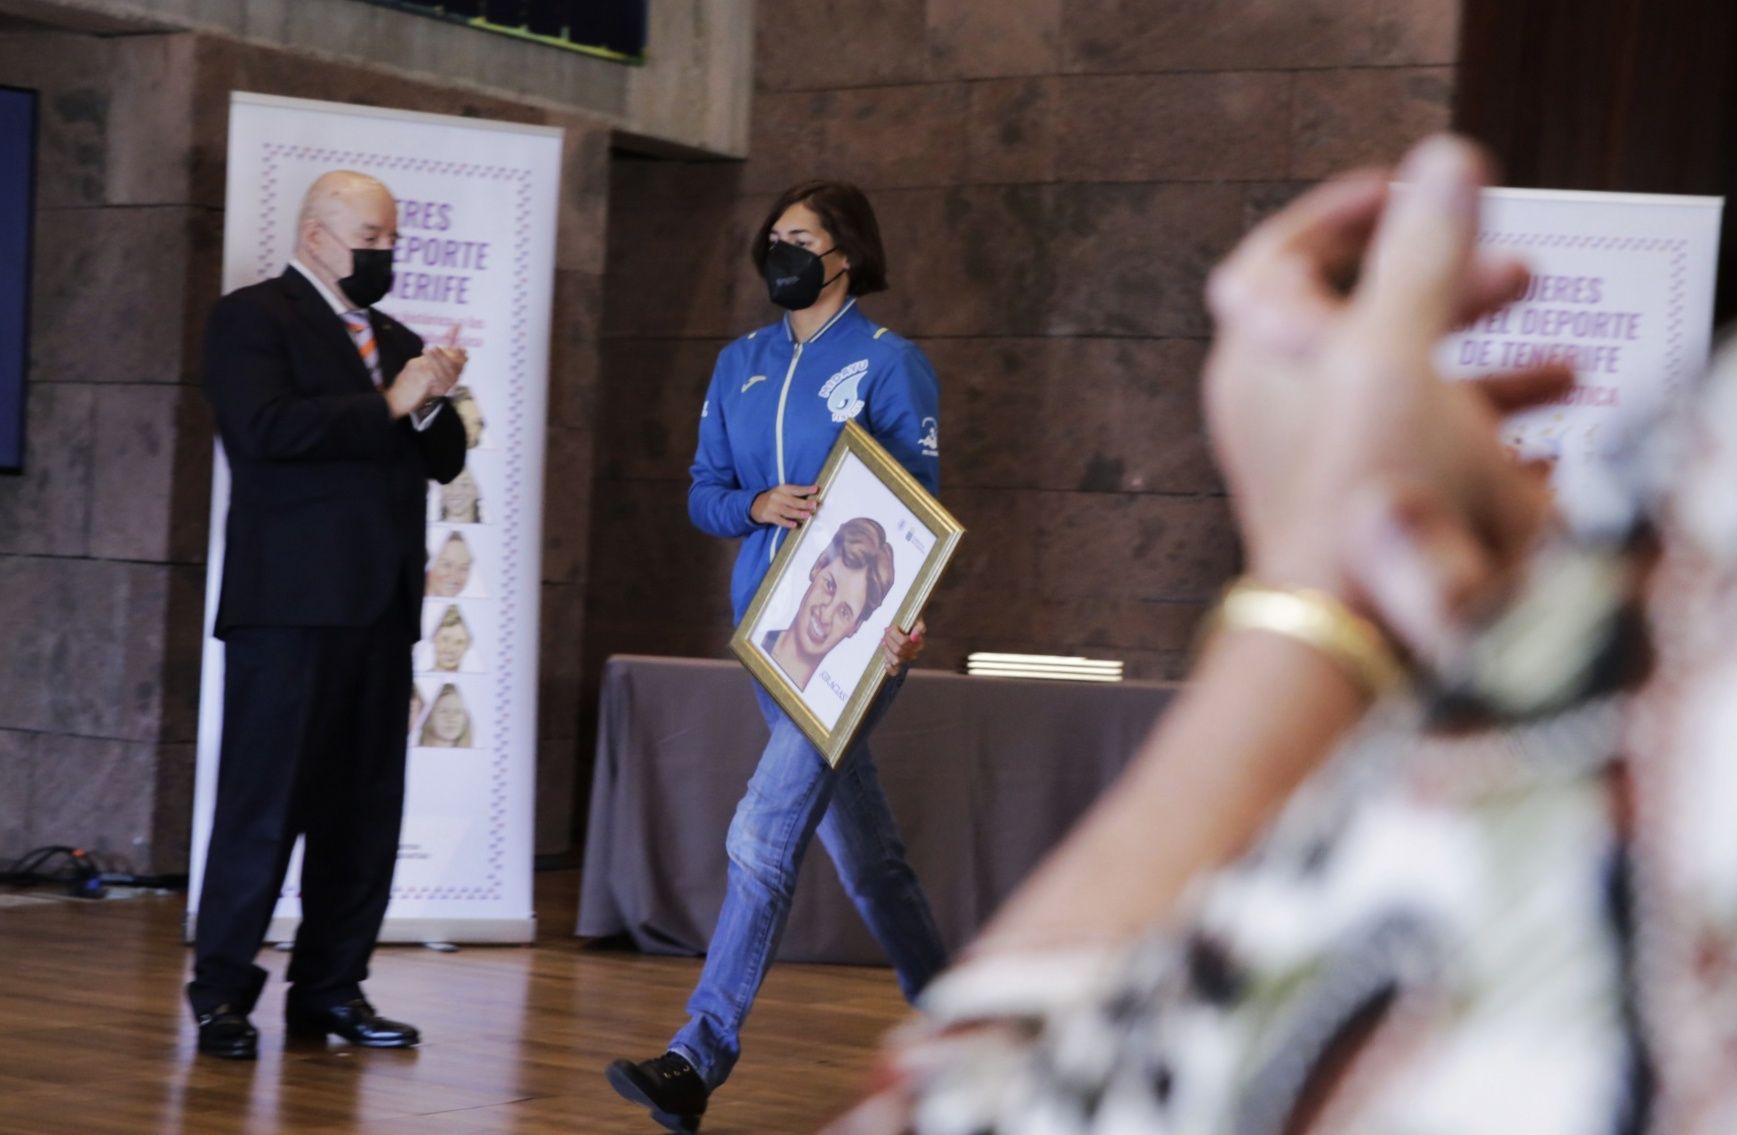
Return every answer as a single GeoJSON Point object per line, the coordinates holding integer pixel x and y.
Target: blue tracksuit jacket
{"type": "Point", "coordinates": [774, 409]}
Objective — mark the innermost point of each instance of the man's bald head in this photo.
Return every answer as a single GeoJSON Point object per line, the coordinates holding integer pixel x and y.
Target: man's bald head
{"type": "Point", "coordinates": [343, 190]}
{"type": "Point", "coordinates": [343, 210]}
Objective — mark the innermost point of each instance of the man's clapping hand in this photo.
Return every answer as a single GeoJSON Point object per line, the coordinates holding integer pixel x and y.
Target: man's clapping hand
{"type": "Point", "coordinates": [428, 376]}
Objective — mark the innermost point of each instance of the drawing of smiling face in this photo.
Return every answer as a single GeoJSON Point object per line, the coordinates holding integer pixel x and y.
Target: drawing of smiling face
{"type": "Point", "coordinates": [831, 609]}
{"type": "Point", "coordinates": [847, 583]}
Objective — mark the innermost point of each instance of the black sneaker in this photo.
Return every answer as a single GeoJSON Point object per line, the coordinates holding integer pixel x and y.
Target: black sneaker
{"type": "Point", "coordinates": [666, 1084]}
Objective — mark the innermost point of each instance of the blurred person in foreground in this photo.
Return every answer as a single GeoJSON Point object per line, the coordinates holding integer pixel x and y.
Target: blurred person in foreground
{"type": "Point", "coordinates": [1530, 929]}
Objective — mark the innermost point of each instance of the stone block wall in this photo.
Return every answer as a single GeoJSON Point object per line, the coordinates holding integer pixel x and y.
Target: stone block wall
{"type": "Point", "coordinates": [103, 538]}
{"type": "Point", "coordinates": [1053, 180]}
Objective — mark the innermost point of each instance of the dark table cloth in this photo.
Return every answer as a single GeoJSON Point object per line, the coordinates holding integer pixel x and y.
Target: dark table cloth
{"type": "Point", "coordinates": [983, 774]}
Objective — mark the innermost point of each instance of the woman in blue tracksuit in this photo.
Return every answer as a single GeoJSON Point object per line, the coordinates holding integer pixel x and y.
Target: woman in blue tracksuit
{"type": "Point", "coordinates": [778, 399]}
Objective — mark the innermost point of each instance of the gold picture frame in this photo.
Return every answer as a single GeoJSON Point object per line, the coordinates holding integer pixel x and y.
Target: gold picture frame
{"type": "Point", "coordinates": [869, 557]}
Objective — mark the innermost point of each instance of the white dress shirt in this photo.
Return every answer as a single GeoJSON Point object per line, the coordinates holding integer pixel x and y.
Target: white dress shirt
{"type": "Point", "coordinates": [418, 417]}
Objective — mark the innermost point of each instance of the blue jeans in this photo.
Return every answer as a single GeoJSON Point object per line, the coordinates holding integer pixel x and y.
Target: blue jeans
{"type": "Point", "coordinates": [792, 795]}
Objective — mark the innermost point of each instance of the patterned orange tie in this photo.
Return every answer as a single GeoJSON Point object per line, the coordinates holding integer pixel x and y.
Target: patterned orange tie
{"type": "Point", "coordinates": [362, 332]}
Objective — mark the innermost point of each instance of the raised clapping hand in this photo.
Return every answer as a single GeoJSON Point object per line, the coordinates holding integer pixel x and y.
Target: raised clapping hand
{"type": "Point", "coordinates": [428, 376]}
{"type": "Point", "coordinates": [786, 506]}
{"type": "Point", "coordinates": [1354, 467]}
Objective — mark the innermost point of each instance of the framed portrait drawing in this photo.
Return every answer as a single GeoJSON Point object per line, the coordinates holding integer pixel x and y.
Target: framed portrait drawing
{"type": "Point", "coordinates": [868, 558]}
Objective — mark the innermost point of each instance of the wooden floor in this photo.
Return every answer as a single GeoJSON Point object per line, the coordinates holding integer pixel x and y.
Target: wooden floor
{"type": "Point", "coordinates": [95, 1039]}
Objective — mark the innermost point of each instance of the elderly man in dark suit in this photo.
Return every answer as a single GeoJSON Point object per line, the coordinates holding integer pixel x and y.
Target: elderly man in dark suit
{"type": "Point", "coordinates": [334, 419]}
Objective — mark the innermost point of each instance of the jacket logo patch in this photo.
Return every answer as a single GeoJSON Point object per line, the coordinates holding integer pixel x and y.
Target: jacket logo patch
{"type": "Point", "coordinates": [840, 391]}
{"type": "Point", "coordinates": [752, 379]}
{"type": "Point", "coordinates": [931, 439]}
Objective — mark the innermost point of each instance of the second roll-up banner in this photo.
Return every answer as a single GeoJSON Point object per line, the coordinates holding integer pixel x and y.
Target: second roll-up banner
{"type": "Point", "coordinates": [477, 205]}
{"type": "Point", "coordinates": [1621, 293]}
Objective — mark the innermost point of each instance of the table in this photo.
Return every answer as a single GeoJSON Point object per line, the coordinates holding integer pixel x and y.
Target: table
{"type": "Point", "coordinates": [983, 774]}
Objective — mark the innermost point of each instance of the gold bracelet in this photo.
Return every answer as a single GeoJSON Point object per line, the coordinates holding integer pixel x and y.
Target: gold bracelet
{"type": "Point", "coordinates": [1319, 620]}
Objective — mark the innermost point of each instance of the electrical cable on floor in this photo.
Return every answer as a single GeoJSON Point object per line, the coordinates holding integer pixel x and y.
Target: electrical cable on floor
{"type": "Point", "coordinates": [81, 875]}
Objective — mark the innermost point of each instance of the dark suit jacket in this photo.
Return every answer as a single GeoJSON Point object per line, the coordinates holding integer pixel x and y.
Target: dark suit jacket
{"type": "Point", "coordinates": [328, 502]}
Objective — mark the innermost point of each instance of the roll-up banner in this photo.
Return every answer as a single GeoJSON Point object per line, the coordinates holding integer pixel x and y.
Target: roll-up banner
{"type": "Point", "coordinates": [477, 206]}
{"type": "Point", "coordinates": [1621, 292]}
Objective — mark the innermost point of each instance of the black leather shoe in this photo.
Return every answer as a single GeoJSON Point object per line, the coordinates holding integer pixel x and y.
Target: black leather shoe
{"type": "Point", "coordinates": [666, 1084]}
{"type": "Point", "coordinates": [226, 1032]}
{"type": "Point", "coordinates": [355, 1021]}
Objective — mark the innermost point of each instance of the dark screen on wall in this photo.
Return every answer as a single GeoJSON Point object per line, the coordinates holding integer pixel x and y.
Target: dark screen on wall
{"type": "Point", "coordinates": [17, 166]}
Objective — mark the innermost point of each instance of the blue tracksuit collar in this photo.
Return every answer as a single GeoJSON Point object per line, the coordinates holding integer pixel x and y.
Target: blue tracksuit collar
{"type": "Point", "coordinates": [790, 333]}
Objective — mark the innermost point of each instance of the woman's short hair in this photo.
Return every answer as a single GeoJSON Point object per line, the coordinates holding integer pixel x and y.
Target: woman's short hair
{"type": "Point", "coordinates": [859, 544]}
{"type": "Point", "coordinates": [848, 217]}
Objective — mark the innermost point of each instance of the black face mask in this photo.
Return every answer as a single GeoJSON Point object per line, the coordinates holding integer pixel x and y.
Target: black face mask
{"type": "Point", "coordinates": [795, 276]}
{"type": "Point", "coordinates": [370, 276]}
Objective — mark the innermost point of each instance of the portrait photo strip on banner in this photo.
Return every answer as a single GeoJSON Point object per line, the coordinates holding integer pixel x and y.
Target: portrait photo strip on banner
{"type": "Point", "coordinates": [868, 559]}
